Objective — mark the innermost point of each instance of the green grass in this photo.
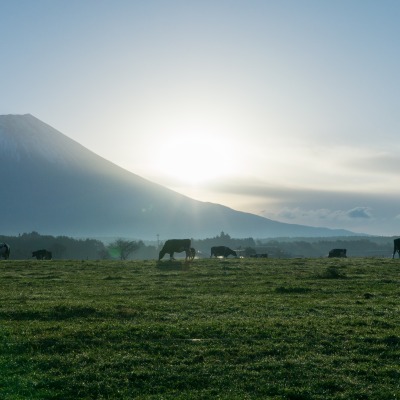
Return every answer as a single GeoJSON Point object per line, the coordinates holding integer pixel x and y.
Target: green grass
{"type": "Point", "coordinates": [213, 329]}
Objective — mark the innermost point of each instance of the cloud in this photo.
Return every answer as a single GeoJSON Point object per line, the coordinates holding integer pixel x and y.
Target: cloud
{"type": "Point", "coordinates": [364, 211]}
{"type": "Point", "coordinates": [382, 162]}
{"type": "Point", "coordinates": [359, 212]}
{"type": "Point", "coordinates": [323, 214]}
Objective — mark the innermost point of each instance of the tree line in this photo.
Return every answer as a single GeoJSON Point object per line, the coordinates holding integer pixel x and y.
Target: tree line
{"type": "Point", "coordinates": [300, 247]}
{"type": "Point", "coordinates": [63, 247]}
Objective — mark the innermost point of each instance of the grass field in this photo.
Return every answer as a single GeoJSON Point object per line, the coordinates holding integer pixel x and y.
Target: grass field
{"type": "Point", "coordinates": [213, 329]}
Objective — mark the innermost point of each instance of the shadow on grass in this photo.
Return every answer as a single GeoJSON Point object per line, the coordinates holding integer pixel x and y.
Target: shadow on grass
{"type": "Point", "coordinates": [332, 273]}
{"type": "Point", "coordinates": [290, 290]}
{"type": "Point", "coordinates": [172, 265]}
{"type": "Point", "coordinates": [59, 313]}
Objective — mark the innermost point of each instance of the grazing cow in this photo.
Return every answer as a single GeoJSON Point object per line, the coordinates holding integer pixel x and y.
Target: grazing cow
{"type": "Point", "coordinates": [223, 251]}
{"type": "Point", "coordinates": [42, 254]}
{"type": "Point", "coordinates": [172, 246]}
{"type": "Point", "coordinates": [5, 251]}
{"type": "Point", "coordinates": [396, 249]}
{"type": "Point", "coordinates": [337, 253]}
{"type": "Point", "coordinates": [192, 254]}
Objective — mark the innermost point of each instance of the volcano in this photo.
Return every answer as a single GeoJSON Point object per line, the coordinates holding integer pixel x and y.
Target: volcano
{"type": "Point", "coordinates": [53, 185]}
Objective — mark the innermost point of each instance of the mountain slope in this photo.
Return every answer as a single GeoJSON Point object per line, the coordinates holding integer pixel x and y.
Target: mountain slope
{"type": "Point", "coordinates": [53, 185]}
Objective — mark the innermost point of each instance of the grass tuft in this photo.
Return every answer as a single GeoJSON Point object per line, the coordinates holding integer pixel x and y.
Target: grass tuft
{"type": "Point", "coordinates": [332, 273]}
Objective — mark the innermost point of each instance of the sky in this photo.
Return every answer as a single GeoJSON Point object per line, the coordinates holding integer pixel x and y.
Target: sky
{"type": "Point", "coordinates": [288, 109]}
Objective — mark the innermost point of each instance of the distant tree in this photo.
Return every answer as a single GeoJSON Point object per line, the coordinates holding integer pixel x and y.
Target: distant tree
{"type": "Point", "coordinates": [123, 248]}
{"type": "Point", "coordinates": [224, 236]}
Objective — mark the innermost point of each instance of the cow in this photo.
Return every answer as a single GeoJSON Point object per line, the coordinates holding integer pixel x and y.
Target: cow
{"type": "Point", "coordinates": [5, 251]}
{"type": "Point", "coordinates": [223, 251]}
{"type": "Point", "coordinates": [337, 253]}
{"type": "Point", "coordinates": [42, 254]}
{"type": "Point", "coordinates": [172, 246]}
{"type": "Point", "coordinates": [192, 254]}
{"type": "Point", "coordinates": [396, 248]}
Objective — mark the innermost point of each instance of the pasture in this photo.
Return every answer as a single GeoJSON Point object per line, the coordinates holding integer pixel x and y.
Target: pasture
{"type": "Point", "coordinates": [212, 329]}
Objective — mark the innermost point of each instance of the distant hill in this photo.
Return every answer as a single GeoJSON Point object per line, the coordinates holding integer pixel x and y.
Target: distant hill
{"type": "Point", "coordinates": [53, 185]}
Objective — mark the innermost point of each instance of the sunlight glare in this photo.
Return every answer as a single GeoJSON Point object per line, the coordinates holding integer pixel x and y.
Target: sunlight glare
{"type": "Point", "coordinates": [196, 157]}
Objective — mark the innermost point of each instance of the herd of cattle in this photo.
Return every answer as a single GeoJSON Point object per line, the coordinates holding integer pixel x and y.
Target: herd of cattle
{"type": "Point", "coordinates": [172, 246]}
{"type": "Point", "coordinates": [179, 245]}
{"type": "Point", "coordinates": [38, 254]}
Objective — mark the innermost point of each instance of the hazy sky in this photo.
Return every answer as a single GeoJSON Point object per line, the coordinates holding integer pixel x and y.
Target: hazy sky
{"type": "Point", "coordinates": [286, 109]}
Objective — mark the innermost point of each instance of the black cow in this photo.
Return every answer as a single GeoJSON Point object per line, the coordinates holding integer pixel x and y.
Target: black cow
{"type": "Point", "coordinates": [192, 254]}
{"type": "Point", "coordinates": [42, 254]}
{"type": "Point", "coordinates": [396, 249]}
{"type": "Point", "coordinates": [223, 251]}
{"type": "Point", "coordinates": [337, 253]}
{"type": "Point", "coordinates": [172, 246]}
{"type": "Point", "coordinates": [5, 251]}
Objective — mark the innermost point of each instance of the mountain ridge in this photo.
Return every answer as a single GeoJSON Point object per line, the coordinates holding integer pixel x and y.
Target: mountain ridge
{"type": "Point", "coordinates": [54, 185]}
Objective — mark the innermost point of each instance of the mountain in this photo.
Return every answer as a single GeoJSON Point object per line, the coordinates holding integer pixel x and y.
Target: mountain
{"type": "Point", "coordinates": [53, 185]}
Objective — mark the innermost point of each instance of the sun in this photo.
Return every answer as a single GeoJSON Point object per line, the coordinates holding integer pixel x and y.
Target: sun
{"type": "Point", "coordinates": [193, 159]}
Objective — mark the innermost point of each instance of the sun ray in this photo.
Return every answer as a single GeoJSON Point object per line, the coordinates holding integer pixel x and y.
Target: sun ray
{"type": "Point", "coordinates": [195, 158]}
